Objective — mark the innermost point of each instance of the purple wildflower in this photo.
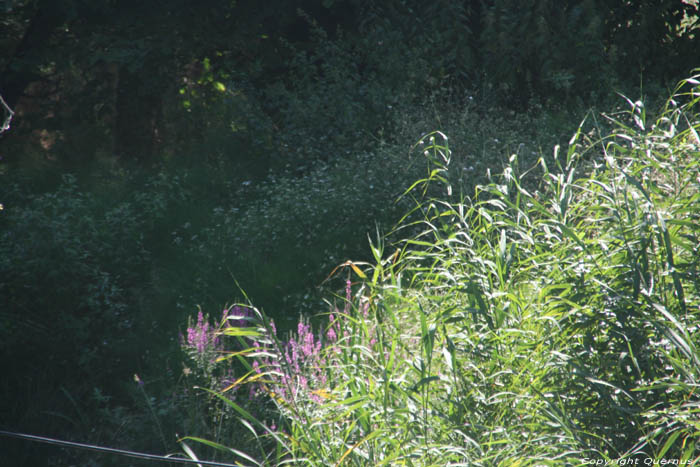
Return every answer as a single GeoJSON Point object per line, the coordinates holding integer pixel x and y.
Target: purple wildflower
{"type": "Point", "coordinates": [331, 334]}
{"type": "Point", "coordinates": [198, 336]}
{"type": "Point", "coordinates": [348, 296]}
{"type": "Point", "coordinates": [300, 367]}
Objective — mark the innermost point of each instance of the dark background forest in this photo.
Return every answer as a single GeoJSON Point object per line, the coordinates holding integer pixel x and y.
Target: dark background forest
{"type": "Point", "coordinates": [165, 155]}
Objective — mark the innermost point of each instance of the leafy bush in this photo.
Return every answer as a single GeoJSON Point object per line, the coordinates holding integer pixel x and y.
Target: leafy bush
{"type": "Point", "coordinates": [63, 248]}
{"type": "Point", "coordinates": [76, 281]}
{"type": "Point", "coordinates": [293, 229]}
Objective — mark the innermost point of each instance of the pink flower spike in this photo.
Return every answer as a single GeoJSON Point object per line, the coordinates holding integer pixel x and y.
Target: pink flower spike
{"type": "Point", "coordinates": [348, 295]}
{"type": "Point", "coordinates": [330, 335]}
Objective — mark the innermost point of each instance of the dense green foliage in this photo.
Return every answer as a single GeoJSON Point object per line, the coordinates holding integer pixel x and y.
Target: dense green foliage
{"type": "Point", "coordinates": [548, 320]}
{"type": "Point", "coordinates": [139, 79]}
{"type": "Point", "coordinates": [169, 155]}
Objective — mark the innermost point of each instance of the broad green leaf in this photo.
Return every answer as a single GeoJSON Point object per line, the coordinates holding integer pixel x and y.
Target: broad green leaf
{"type": "Point", "coordinates": [669, 442]}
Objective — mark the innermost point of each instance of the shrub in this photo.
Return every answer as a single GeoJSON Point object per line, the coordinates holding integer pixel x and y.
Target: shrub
{"type": "Point", "coordinates": [75, 279]}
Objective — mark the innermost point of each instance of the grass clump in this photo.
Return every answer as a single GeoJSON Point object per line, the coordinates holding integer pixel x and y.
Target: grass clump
{"type": "Point", "coordinates": [537, 323]}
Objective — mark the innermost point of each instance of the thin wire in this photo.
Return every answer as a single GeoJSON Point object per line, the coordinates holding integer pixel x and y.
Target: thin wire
{"type": "Point", "coordinates": [121, 452]}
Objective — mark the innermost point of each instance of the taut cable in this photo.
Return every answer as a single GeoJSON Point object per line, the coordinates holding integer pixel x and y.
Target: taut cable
{"type": "Point", "coordinates": [120, 452]}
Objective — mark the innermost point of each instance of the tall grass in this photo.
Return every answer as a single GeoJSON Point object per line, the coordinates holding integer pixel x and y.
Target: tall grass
{"type": "Point", "coordinates": [550, 319]}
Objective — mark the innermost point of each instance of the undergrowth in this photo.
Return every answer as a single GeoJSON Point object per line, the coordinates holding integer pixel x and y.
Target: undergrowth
{"type": "Point", "coordinates": [550, 322]}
